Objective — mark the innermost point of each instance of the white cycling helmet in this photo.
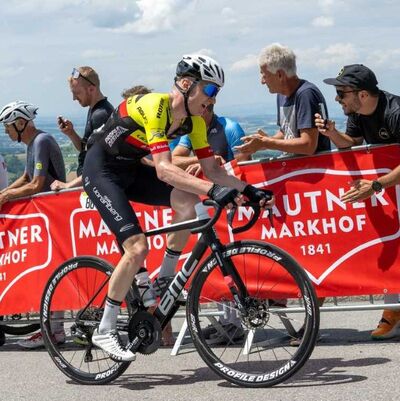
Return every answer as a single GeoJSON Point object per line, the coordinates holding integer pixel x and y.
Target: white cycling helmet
{"type": "Point", "coordinates": [201, 67]}
{"type": "Point", "coordinates": [19, 109]}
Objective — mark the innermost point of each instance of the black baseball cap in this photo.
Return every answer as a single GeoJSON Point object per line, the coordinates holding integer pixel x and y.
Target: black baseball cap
{"type": "Point", "coordinates": [356, 75]}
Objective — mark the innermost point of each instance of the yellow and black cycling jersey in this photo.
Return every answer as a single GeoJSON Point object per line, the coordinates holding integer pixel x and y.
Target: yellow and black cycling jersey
{"type": "Point", "coordinates": [140, 125]}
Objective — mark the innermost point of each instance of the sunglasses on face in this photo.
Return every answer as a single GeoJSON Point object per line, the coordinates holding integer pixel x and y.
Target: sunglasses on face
{"type": "Point", "coordinates": [76, 74]}
{"type": "Point", "coordinates": [211, 90]}
{"type": "Point", "coordinates": [341, 94]}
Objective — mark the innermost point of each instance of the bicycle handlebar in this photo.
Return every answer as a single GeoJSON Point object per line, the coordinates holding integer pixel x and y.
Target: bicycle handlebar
{"type": "Point", "coordinates": [231, 214]}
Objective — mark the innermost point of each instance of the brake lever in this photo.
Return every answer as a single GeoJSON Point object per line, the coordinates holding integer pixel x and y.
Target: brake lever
{"type": "Point", "coordinates": [270, 217]}
{"type": "Point", "coordinates": [231, 215]}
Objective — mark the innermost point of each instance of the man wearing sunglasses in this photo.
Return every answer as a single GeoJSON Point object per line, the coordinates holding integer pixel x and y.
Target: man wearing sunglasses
{"type": "Point", "coordinates": [373, 114]}
{"type": "Point", "coordinates": [373, 117]}
{"type": "Point", "coordinates": [84, 84]}
{"type": "Point", "coordinates": [113, 175]}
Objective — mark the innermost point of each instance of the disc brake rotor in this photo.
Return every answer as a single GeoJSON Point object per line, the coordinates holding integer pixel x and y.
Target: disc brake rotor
{"type": "Point", "coordinates": [257, 314]}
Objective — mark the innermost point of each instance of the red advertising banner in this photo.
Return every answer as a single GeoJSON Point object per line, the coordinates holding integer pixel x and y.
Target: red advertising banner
{"type": "Point", "coordinates": [347, 249]}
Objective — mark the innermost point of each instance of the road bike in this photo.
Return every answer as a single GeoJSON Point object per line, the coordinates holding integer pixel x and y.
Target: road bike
{"type": "Point", "coordinates": [265, 286]}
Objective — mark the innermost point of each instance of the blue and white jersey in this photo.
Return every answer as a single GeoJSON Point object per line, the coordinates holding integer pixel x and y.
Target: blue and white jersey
{"type": "Point", "coordinates": [223, 135]}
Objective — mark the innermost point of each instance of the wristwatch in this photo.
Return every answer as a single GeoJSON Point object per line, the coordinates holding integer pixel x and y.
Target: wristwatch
{"type": "Point", "coordinates": [376, 186]}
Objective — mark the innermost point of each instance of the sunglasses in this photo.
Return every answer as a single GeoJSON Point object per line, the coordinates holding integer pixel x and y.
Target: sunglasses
{"type": "Point", "coordinates": [341, 94]}
{"type": "Point", "coordinates": [211, 90]}
{"type": "Point", "coordinates": [76, 74]}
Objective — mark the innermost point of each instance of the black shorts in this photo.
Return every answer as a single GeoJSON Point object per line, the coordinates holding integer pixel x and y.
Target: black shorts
{"type": "Point", "coordinates": [111, 184]}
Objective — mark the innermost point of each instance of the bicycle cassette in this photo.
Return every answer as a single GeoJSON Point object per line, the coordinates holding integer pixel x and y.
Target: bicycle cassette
{"type": "Point", "coordinates": [148, 329]}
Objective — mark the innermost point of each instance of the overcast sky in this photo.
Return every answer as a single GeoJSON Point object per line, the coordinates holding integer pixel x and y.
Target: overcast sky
{"type": "Point", "coordinates": [139, 42]}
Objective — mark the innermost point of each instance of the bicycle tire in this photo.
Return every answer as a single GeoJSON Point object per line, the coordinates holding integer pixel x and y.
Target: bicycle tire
{"type": "Point", "coordinates": [82, 277]}
{"type": "Point", "coordinates": [19, 330]}
{"type": "Point", "coordinates": [260, 354]}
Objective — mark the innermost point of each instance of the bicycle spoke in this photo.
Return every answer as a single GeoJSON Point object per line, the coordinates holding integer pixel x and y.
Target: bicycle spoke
{"type": "Point", "coordinates": [86, 286]}
{"type": "Point", "coordinates": [252, 348]}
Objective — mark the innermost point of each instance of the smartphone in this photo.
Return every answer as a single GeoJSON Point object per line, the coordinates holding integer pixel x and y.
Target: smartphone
{"type": "Point", "coordinates": [322, 112]}
{"type": "Point", "coordinates": [61, 122]}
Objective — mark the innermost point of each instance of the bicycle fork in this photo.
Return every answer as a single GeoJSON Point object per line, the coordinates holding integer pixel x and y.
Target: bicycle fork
{"type": "Point", "coordinates": [231, 276]}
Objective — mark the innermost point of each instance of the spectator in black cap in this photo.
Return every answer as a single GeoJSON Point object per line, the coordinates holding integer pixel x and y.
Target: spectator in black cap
{"type": "Point", "coordinates": [373, 116]}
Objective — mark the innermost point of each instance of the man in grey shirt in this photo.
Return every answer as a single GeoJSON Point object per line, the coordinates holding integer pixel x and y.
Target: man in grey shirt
{"type": "Point", "coordinates": [44, 161]}
{"type": "Point", "coordinates": [44, 164]}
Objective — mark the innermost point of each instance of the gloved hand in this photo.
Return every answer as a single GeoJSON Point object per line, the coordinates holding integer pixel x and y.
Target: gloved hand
{"type": "Point", "coordinates": [256, 195]}
{"type": "Point", "coordinates": [223, 195]}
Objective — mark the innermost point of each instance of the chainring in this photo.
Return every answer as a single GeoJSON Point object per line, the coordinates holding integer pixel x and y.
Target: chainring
{"type": "Point", "coordinates": [148, 328]}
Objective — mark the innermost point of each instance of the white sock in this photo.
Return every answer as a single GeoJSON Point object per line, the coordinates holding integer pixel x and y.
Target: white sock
{"type": "Point", "coordinates": [110, 316]}
{"type": "Point", "coordinates": [171, 259]}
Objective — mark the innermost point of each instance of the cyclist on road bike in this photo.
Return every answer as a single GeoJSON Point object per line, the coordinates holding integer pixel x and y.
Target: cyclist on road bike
{"type": "Point", "coordinates": [113, 175]}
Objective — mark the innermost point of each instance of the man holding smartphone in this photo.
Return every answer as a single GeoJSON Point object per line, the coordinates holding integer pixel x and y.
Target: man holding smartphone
{"type": "Point", "coordinates": [373, 114]}
{"type": "Point", "coordinates": [373, 117]}
{"type": "Point", "coordinates": [84, 83]}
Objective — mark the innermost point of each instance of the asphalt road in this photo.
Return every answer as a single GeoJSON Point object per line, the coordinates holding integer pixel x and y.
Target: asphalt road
{"type": "Point", "coordinates": [346, 365]}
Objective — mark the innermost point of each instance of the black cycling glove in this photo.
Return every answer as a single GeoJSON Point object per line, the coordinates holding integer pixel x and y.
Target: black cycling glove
{"type": "Point", "coordinates": [223, 195]}
{"type": "Point", "coordinates": [254, 194]}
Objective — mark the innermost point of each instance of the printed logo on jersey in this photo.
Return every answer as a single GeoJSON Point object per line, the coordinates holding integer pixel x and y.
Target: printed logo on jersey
{"type": "Point", "coordinates": [114, 134]}
{"type": "Point", "coordinates": [141, 112]}
{"type": "Point", "coordinates": [156, 136]}
{"type": "Point", "coordinates": [38, 166]}
{"type": "Point", "coordinates": [384, 134]}
{"type": "Point", "coordinates": [160, 108]}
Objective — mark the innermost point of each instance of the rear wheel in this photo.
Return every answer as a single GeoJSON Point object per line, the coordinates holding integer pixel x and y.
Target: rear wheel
{"type": "Point", "coordinates": [73, 302]}
{"type": "Point", "coordinates": [17, 329]}
{"type": "Point", "coordinates": [251, 347]}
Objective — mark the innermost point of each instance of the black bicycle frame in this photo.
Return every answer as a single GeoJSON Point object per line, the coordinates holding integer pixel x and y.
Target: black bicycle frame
{"type": "Point", "coordinates": [169, 304]}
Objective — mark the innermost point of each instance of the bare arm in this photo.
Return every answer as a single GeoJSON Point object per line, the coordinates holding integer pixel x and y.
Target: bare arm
{"type": "Point", "coordinates": [305, 144]}
{"type": "Point", "coordinates": [178, 178]}
{"type": "Point", "coordinates": [362, 189]}
{"type": "Point", "coordinates": [242, 156]}
{"type": "Point", "coordinates": [217, 174]}
{"type": "Point", "coordinates": [173, 175]}
{"type": "Point", "coordinates": [340, 139]}
{"type": "Point", "coordinates": [390, 179]}
{"type": "Point", "coordinates": [30, 188]}
{"type": "Point", "coordinates": [279, 135]}
{"type": "Point", "coordinates": [24, 179]}
{"type": "Point", "coordinates": [181, 157]}
{"type": "Point", "coordinates": [57, 185]}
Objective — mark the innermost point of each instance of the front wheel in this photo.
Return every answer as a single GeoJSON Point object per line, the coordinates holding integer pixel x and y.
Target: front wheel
{"type": "Point", "coordinates": [251, 347]}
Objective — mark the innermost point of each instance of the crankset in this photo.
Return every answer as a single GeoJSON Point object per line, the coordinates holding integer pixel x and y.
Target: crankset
{"type": "Point", "coordinates": [147, 329]}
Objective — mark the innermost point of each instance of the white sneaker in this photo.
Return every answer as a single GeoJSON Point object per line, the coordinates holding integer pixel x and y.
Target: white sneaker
{"type": "Point", "coordinates": [36, 341]}
{"type": "Point", "coordinates": [110, 343]}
